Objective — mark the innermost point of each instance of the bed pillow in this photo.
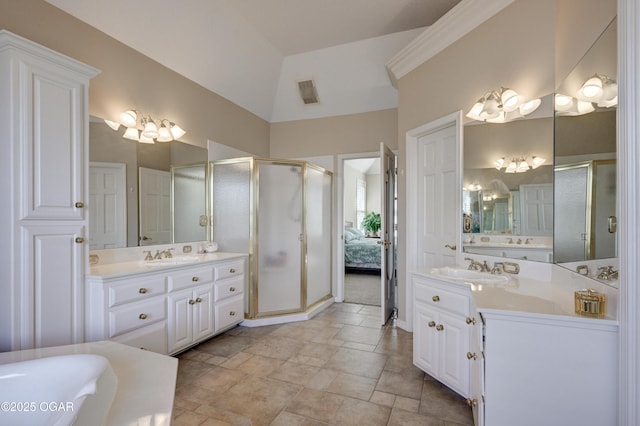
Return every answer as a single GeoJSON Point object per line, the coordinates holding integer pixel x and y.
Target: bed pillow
{"type": "Point", "coordinates": [349, 235]}
{"type": "Point", "coordinates": [357, 232]}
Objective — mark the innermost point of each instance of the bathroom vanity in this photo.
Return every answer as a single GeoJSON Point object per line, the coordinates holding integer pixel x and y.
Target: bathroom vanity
{"type": "Point", "coordinates": [165, 305]}
{"type": "Point", "coordinates": [515, 348]}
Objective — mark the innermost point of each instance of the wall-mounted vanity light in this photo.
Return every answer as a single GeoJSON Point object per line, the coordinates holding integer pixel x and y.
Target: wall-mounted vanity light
{"type": "Point", "coordinates": [145, 129]}
{"type": "Point", "coordinates": [502, 106]}
{"type": "Point", "coordinates": [598, 89]}
{"type": "Point", "coordinates": [520, 164]}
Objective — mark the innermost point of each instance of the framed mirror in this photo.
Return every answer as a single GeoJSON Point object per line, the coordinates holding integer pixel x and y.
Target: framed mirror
{"type": "Point", "coordinates": [131, 190]}
{"type": "Point", "coordinates": [505, 213]}
{"type": "Point", "coordinates": [585, 158]}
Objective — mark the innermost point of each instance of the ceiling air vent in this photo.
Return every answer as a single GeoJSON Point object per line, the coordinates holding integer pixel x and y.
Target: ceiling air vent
{"type": "Point", "coordinates": [308, 92]}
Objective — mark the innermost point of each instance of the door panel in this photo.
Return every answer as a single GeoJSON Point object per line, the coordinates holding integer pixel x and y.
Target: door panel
{"type": "Point", "coordinates": [387, 218]}
{"type": "Point", "coordinates": [155, 201]}
{"type": "Point", "coordinates": [107, 205]}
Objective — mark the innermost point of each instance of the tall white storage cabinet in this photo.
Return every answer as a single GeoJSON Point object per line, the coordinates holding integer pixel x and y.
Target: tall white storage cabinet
{"type": "Point", "coordinates": [43, 170]}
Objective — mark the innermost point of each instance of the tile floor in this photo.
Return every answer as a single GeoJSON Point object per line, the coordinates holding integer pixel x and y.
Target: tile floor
{"type": "Point", "coordinates": [340, 368]}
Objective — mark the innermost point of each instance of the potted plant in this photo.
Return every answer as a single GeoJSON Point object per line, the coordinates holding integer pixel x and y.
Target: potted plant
{"type": "Point", "coordinates": [371, 223]}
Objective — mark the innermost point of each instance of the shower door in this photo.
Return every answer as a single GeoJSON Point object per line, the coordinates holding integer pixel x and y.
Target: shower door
{"type": "Point", "coordinates": [280, 237]}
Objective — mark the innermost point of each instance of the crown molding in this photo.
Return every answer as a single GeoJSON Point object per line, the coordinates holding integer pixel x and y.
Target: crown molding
{"type": "Point", "coordinates": [460, 20]}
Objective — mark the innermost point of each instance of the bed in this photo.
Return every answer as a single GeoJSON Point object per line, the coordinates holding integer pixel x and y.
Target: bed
{"type": "Point", "coordinates": [360, 252]}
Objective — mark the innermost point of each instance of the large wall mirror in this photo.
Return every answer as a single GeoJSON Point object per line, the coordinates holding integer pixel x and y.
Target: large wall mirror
{"type": "Point", "coordinates": [585, 157]}
{"type": "Point", "coordinates": [144, 194]}
{"type": "Point", "coordinates": [509, 214]}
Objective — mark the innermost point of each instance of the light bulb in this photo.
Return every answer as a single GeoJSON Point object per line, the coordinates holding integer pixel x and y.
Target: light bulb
{"type": "Point", "coordinates": [530, 106]}
{"type": "Point", "coordinates": [176, 131]}
{"type": "Point", "coordinates": [113, 124]}
{"type": "Point", "coordinates": [164, 135]}
{"type": "Point", "coordinates": [131, 133]}
{"type": "Point", "coordinates": [474, 112]}
{"type": "Point", "coordinates": [511, 168]}
{"type": "Point", "coordinates": [537, 162]}
{"type": "Point", "coordinates": [499, 163]}
{"type": "Point", "coordinates": [510, 100]}
{"type": "Point", "coordinates": [129, 118]}
{"type": "Point", "coordinates": [563, 102]}
{"type": "Point", "coordinates": [490, 109]}
{"type": "Point", "coordinates": [144, 139]}
{"type": "Point", "coordinates": [150, 129]}
{"type": "Point", "coordinates": [591, 90]}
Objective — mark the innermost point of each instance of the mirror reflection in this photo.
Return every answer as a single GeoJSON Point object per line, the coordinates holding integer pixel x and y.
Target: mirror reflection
{"type": "Point", "coordinates": [585, 157]}
{"type": "Point", "coordinates": [508, 186]}
{"type": "Point", "coordinates": [130, 189]}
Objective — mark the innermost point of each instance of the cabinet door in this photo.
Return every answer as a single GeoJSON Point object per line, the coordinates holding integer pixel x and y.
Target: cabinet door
{"type": "Point", "coordinates": [180, 320]}
{"type": "Point", "coordinates": [203, 312]}
{"type": "Point", "coordinates": [53, 168]}
{"type": "Point", "coordinates": [52, 286]}
{"type": "Point", "coordinates": [425, 339]}
{"type": "Point", "coordinates": [454, 367]}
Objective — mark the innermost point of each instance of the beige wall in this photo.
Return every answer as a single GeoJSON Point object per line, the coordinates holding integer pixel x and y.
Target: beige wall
{"type": "Point", "coordinates": [132, 80]}
{"type": "Point", "coordinates": [346, 134]}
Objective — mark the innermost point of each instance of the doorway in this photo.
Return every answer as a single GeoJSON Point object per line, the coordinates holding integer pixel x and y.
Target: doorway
{"type": "Point", "coordinates": [367, 231]}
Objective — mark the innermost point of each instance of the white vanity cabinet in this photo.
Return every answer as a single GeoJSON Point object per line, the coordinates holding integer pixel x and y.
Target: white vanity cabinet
{"type": "Point", "coordinates": [44, 117]}
{"type": "Point", "coordinates": [442, 332]}
{"type": "Point", "coordinates": [546, 370]}
{"type": "Point", "coordinates": [168, 309]}
{"type": "Point", "coordinates": [190, 308]}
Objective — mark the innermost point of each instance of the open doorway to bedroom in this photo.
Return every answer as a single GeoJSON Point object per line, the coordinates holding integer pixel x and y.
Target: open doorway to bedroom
{"type": "Point", "coordinates": [362, 242]}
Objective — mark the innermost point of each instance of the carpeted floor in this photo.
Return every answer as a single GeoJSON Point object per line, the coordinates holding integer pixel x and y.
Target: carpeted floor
{"type": "Point", "coordinates": [363, 288]}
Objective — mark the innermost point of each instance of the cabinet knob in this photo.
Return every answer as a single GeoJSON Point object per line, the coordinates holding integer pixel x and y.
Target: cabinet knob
{"type": "Point", "coordinates": [472, 402]}
{"type": "Point", "coordinates": [79, 240]}
{"type": "Point", "coordinates": [470, 320]}
{"type": "Point", "coordinates": [432, 324]}
{"type": "Point", "coordinates": [79, 205]}
{"type": "Point", "coordinates": [440, 327]}
{"type": "Point", "coordinates": [436, 298]}
{"type": "Point", "coordinates": [195, 279]}
{"type": "Point", "coordinates": [142, 316]}
{"type": "Point", "coordinates": [192, 302]}
{"type": "Point", "coordinates": [232, 271]}
{"type": "Point", "coordinates": [232, 289]}
{"type": "Point", "coordinates": [142, 290]}
{"type": "Point", "coordinates": [232, 314]}
{"type": "Point", "coordinates": [471, 355]}
{"type": "Point", "coordinates": [199, 300]}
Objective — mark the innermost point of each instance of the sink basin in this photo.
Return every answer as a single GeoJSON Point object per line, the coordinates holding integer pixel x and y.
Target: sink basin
{"type": "Point", "coordinates": [461, 274]}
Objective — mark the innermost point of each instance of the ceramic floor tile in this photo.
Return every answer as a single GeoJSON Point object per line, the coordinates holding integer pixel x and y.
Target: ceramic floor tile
{"type": "Point", "coordinates": [400, 384]}
{"type": "Point", "coordinates": [360, 363]}
{"type": "Point", "coordinates": [325, 371]}
{"type": "Point", "coordinates": [353, 386]}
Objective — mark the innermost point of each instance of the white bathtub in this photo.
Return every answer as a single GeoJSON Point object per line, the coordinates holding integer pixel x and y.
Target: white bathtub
{"type": "Point", "coordinates": [57, 390]}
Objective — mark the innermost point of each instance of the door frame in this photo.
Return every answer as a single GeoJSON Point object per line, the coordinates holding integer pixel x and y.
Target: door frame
{"type": "Point", "coordinates": [339, 229]}
{"type": "Point", "coordinates": [411, 206]}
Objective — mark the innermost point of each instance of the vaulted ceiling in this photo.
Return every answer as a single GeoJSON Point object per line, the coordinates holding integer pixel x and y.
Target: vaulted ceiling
{"type": "Point", "coordinates": [253, 52]}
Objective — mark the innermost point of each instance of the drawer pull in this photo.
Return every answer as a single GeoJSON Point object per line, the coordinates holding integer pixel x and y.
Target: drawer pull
{"type": "Point", "coordinates": [470, 320]}
{"type": "Point", "coordinates": [471, 355]}
{"type": "Point", "coordinates": [198, 300]}
{"type": "Point", "coordinates": [192, 302]}
{"type": "Point", "coordinates": [232, 313]}
{"type": "Point", "coordinates": [436, 298]}
{"type": "Point", "coordinates": [232, 271]}
{"type": "Point", "coordinates": [142, 290]}
{"type": "Point", "coordinates": [440, 327]}
{"type": "Point", "coordinates": [432, 324]}
{"type": "Point", "coordinates": [232, 289]}
{"type": "Point", "coordinates": [142, 316]}
{"type": "Point", "coordinates": [79, 240]}
{"type": "Point", "coordinates": [472, 402]}
{"type": "Point", "coordinates": [79, 205]}
{"type": "Point", "coordinates": [195, 279]}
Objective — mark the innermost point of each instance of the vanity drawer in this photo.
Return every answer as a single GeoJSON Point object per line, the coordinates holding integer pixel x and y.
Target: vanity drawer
{"type": "Point", "coordinates": [228, 288]}
{"type": "Point", "coordinates": [228, 313]}
{"type": "Point", "coordinates": [229, 269]}
{"type": "Point", "coordinates": [188, 278]}
{"type": "Point", "coordinates": [438, 296]}
{"type": "Point", "coordinates": [136, 315]}
{"type": "Point", "coordinates": [135, 289]}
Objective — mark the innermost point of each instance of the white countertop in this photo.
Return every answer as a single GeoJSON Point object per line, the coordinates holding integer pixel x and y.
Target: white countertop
{"type": "Point", "coordinates": [530, 296]}
{"type": "Point", "coordinates": [132, 267]}
{"type": "Point", "coordinates": [146, 380]}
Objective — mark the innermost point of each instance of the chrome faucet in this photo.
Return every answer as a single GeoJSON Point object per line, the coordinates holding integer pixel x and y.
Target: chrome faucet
{"type": "Point", "coordinates": [528, 240]}
{"type": "Point", "coordinates": [607, 273]}
{"type": "Point", "coordinates": [474, 265]}
{"type": "Point", "coordinates": [158, 255]}
{"type": "Point", "coordinates": [148, 257]}
{"type": "Point", "coordinates": [498, 268]}
{"type": "Point", "coordinates": [519, 241]}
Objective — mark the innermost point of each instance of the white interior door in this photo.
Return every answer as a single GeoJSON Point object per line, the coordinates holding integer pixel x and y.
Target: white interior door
{"type": "Point", "coordinates": [438, 197]}
{"type": "Point", "coordinates": [387, 218]}
{"type": "Point", "coordinates": [155, 211]}
{"type": "Point", "coordinates": [107, 205]}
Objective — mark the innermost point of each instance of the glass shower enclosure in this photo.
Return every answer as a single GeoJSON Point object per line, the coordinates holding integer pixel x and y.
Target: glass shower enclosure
{"type": "Point", "coordinates": [280, 211]}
